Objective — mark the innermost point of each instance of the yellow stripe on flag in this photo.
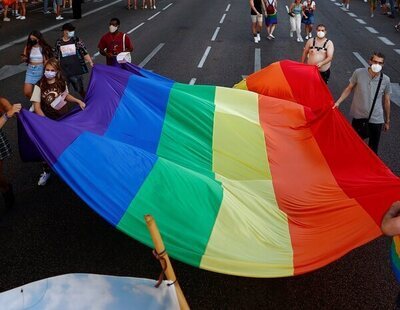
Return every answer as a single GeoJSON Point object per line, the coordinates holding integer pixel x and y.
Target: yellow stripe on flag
{"type": "Point", "coordinates": [240, 162]}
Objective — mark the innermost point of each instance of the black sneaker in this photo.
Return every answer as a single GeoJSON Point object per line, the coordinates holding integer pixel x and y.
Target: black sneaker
{"type": "Point", "coordinates": [9, 198]}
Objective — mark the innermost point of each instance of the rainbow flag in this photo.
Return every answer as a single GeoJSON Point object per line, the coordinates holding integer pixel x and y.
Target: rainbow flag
{"type": "Point", "coordinates": [264, 183]}
{"type": "Point", "coordinates": [395, 256]}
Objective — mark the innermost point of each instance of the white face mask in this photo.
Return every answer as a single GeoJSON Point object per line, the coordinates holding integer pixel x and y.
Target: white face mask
{"type": "Point", "coordinates": [376, 68]}
{"type": "Point", "coordinates": [321, 34]}
{"type": "Point", "coordinates": [71, 34]}
{"type": "Point", "coordinates": [50, 74]}
{"type": "Point", "coordinates": [113, 28]}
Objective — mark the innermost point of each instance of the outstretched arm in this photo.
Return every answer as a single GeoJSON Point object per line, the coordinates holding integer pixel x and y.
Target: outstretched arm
{"type": "Point", "coordinates": [391, 220]}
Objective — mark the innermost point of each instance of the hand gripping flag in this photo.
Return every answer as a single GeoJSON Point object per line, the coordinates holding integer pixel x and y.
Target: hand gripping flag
{"type": "Point", "coordinates": [264, 182]}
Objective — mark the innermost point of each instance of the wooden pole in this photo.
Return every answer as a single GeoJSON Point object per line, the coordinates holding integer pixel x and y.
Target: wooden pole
{"type": "Point", "coordinates": [160, 249]}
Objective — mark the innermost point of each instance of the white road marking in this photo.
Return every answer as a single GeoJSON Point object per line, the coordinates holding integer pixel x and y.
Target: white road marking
{"type": "Point", "coordinates": [10, 70]}
{"type": "Point", "coordinates": [360, 21]}
{"type": "Point", "coordinates": [257, 59]}
{"type": "Point", "coordinates": [203, 59]}
{"type": "Point", "coordinates": [151, 17]}
{"type": "Point", "coordinates": [137, 27]}
{"type": "Point", "coordinates": [192, 81]}
{"type": "Point", "coordinates": [338, 4]}
{"type": "Point", "coordinates": [372, 30]}
{"type": "Point", "coordinates": [352, 14]}
{"type": "Point", "coordinates": [167, 6]}
{"type": "Point", "coordinates": [151, 55]}
{"type": "Point", "coordinates": [397, 51]}
{"type": "Point", "coordinates": [228, 7]}
{"type": "Point", "coordinates": [222, 19]}
{"type": "Point", "coordinates": [359, 57]}
{"type": "Point", "coordinates": [386, 41]}
{"type": "Point", "coordinates": [23, 39]}
{"type": "Point", "coordinates": [96, 54]}
{"type": "Point", "coordinates": [343, 9]}
{"type": "Point", "coordinates": [215, 34]}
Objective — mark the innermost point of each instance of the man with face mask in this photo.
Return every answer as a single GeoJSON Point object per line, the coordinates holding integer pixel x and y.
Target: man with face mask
{"type": "Point", "coordinates": [114, 42]}
{"type": "Point", "coordinates": [73, 55]}
{"type": "Point", "coordinates": [371, 102]}
{"type": "Point", "coordinates": [319, 51]}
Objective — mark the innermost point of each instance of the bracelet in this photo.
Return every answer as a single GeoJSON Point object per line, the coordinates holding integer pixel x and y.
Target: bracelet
{"type": "Point", "coordinates": [6, 116]}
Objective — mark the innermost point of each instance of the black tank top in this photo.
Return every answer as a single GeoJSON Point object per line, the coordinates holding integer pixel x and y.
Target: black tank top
{"type": "Point", "coordinates": [258, 6]}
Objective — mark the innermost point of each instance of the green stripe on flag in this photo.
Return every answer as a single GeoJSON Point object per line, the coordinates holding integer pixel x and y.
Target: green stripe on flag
{"type": "Point", "coordinates": [187, 133]}
{"type": "Point", "coordinates": [184, 204]}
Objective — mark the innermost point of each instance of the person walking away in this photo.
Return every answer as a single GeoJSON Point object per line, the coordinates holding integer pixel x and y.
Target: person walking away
{"type": "Point", "coordinates": [35, 54]}
{"type": "Point", "coordinates": [297, 9]}
{"type": "Point", "coordinates": [6, 4]}
{"type": "Point", "coordinates": [346, 4]}
{"type": "Point", "coordinates": [73, 56]}
{"type": "Point", "coordinates": [256, 19]}
{"type": "Point", "coordinates": [8, 110]}
{"type": "Point", "coordinates": [114, 42]}
{"type": "Point", "coordinates": [271, 19]}
{"type": "Point", "coordinates": [49, 99]}
{"type": "Point", "coordinates": [309, 9]}
{"type": "Point", "coordinates": [319, 51]}
{"type": "Point", "coordinates": [22, 16]}
{"type": "Point", "coordinates": [57, 4]}
{"type": "Point", "coordinates": [372, 7]}
{"type": "Point", "coordinates": [370, 108]}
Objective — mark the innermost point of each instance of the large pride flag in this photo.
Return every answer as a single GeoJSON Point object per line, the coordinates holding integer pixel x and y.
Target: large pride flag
{"type": "Point", "coordinates": [264, 182]}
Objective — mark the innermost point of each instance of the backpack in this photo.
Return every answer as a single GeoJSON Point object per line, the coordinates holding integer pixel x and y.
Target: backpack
{"type": "Point", "coordinates": [270, 8]}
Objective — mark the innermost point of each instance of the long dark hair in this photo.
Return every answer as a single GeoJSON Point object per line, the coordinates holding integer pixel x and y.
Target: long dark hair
{"type": "Point", "coordinates": [60, 81]}
{"type": "Point", "coordinates": [47, 51]}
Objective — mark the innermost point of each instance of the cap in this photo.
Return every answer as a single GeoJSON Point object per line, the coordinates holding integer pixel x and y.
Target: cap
{"type": "Point", "coordinates": [68, 26]}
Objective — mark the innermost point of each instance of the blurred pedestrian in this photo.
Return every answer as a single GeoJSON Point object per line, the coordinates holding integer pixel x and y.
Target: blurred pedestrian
{"type": "Point", "coordinates": [296, 8]}
{"type": "Point", "coordinates": [57, 7]}
{"type": "Point", "coordinates": [271, 19]}
{"type": "Point", "coordinates": [35, 54]}
{"type": "Point", "coordinates": [319, 51]}
{"type": "Point", "coordinates": [256, 19]}
{"type": "Point", "coordinates": [22, 15]}
{"type": "Point", "coordinates": [309, 9]}
{"type": "Point", "coordinates": [49, 98]}
{"type": "Point", "coordinates": [8, 110]}
{"type": "Point", "coordinates": [114, 42]}
{"type": "Point", "coordinates": [346, 4]}
{"type": "Point", "coordinates": [372, 7]}
{"type": "Point", "coordinates": [370, 108]}
{"type": "Point", "coordinates": [73, 56]}
{"type": "Point", "coordinates": [6, 4]}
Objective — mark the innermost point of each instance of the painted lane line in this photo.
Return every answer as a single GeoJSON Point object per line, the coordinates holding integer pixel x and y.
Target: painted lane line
{"type": "Point", "coordinates": [222, 19]}
{"type": "Point", "coordinates": [203, 59]}
{"type": "Point", "coordinates": [386, 41]}
{"type": "Point", "coordinates": [360, 21]}
{"type": "Point", "coordinates": [343, 9]}
{"type": "Point", "coordinates": [151, 17]}
{"type": "Point", "coordinates": [397, 51]}
{"type": "Point", "coordinates": [228, 7]}
{"type": "Point", "coordinates": [137, 27]}
{"type": "Point", "coordinates": [215, 34]}
{"type": "Point", "coordinates": [338, 4]}
{"type": "Point", "coordinates": [167, 6]}
{"type": "Point", "coordinates": [100, 8]}
{"type": "Point", "coordinates": [257, 59]}
{"type": "Point", "coordinates": [95, 55]}
{"type": "Point", "coordinates": [360, 59]}
{"type": "Point", "coordinates": [192, 81]}
{"type": "Point", "coordinates": [372, 30]}
{"type": "Point", "coordinates": [11, 70]}
{"type": "Point", "coordinates": [352, 14]}
{"type": "Point", "coordinates": [151, 55]}
{"type": "Point", "coordinates": [9, 44]}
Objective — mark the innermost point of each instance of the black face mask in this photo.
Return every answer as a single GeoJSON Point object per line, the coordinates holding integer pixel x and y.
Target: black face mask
{"type": "Point", "coordinates": [32, 42]}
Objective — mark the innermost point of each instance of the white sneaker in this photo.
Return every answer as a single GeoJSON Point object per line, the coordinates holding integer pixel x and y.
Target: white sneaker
{"type": "Point", "coordinates": [22, 18]}
{"type": "Point", "coordinates": [59, 17]}
{"type": "Point", "coordinates": [272, 36]}
{"type": "Point", "coordinates": [291, 34]}
{"type": "Point", "coordinates": [372, 15]}
{"type": "Point", "coordinates": [255, 39]}
{"type": "Point", "coordinates": [18, 17]}
{"type": "Point", "coordinates": [43, 178]}
{"type": "Point", "coordinates": [6, 19]}
{"type": "Point", "coordinates": [298, 40]}
{"type": "Point", "coordinates": [258, 37]}
{"type": "Point", "coordinates": [306, 37]}
{"type": "Point", "coordinates": [365, 1]}
{"type": "Point", "coordinates": [310, 35]}
{"type": "Point", "coordinates": [154, 7]}
{"type": "Point", "coordinates": [348, 6]}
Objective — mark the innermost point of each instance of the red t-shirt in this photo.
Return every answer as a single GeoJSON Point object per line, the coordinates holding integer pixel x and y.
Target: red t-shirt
{"type": "Point", "coordinates": [113, 42]}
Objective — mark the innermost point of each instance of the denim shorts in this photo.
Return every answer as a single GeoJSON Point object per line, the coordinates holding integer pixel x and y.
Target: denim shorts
{"type": "Point", "coordinates": [33, 74]}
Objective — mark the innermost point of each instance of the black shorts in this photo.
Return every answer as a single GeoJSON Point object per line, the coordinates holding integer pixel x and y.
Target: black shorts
{"type": "Point", "coordinates": [325, 75]}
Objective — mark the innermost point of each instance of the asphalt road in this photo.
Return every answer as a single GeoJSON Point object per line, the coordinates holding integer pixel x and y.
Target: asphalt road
{"type": "Point", "coordinates": [51, 231]}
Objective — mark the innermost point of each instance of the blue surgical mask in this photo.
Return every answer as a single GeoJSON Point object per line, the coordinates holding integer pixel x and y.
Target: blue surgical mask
{"type": "Point", "coordinates": [71, 34]}
{"type": "Point", "coordinates": [50, 74]}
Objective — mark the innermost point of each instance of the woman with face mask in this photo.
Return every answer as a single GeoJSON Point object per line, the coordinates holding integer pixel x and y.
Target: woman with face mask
{"type": "Point", "coordinates": [36, 52]}
{"type": "Point", "coordinates": [114, 42]}
{"type": "Point", "coordinates": [50, 99]}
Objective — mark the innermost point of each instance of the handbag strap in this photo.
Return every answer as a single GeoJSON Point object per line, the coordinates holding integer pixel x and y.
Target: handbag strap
{"type": "Point", "coordinates": [123, 43]}
{"type": "Point", "coordinates": [376, 95]}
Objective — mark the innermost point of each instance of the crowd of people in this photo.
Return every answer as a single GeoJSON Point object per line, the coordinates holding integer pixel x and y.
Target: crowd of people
{"type": "Point", "coordinates": [18, 8]}
{"type": "Point", "coordinates": [52, 71]}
